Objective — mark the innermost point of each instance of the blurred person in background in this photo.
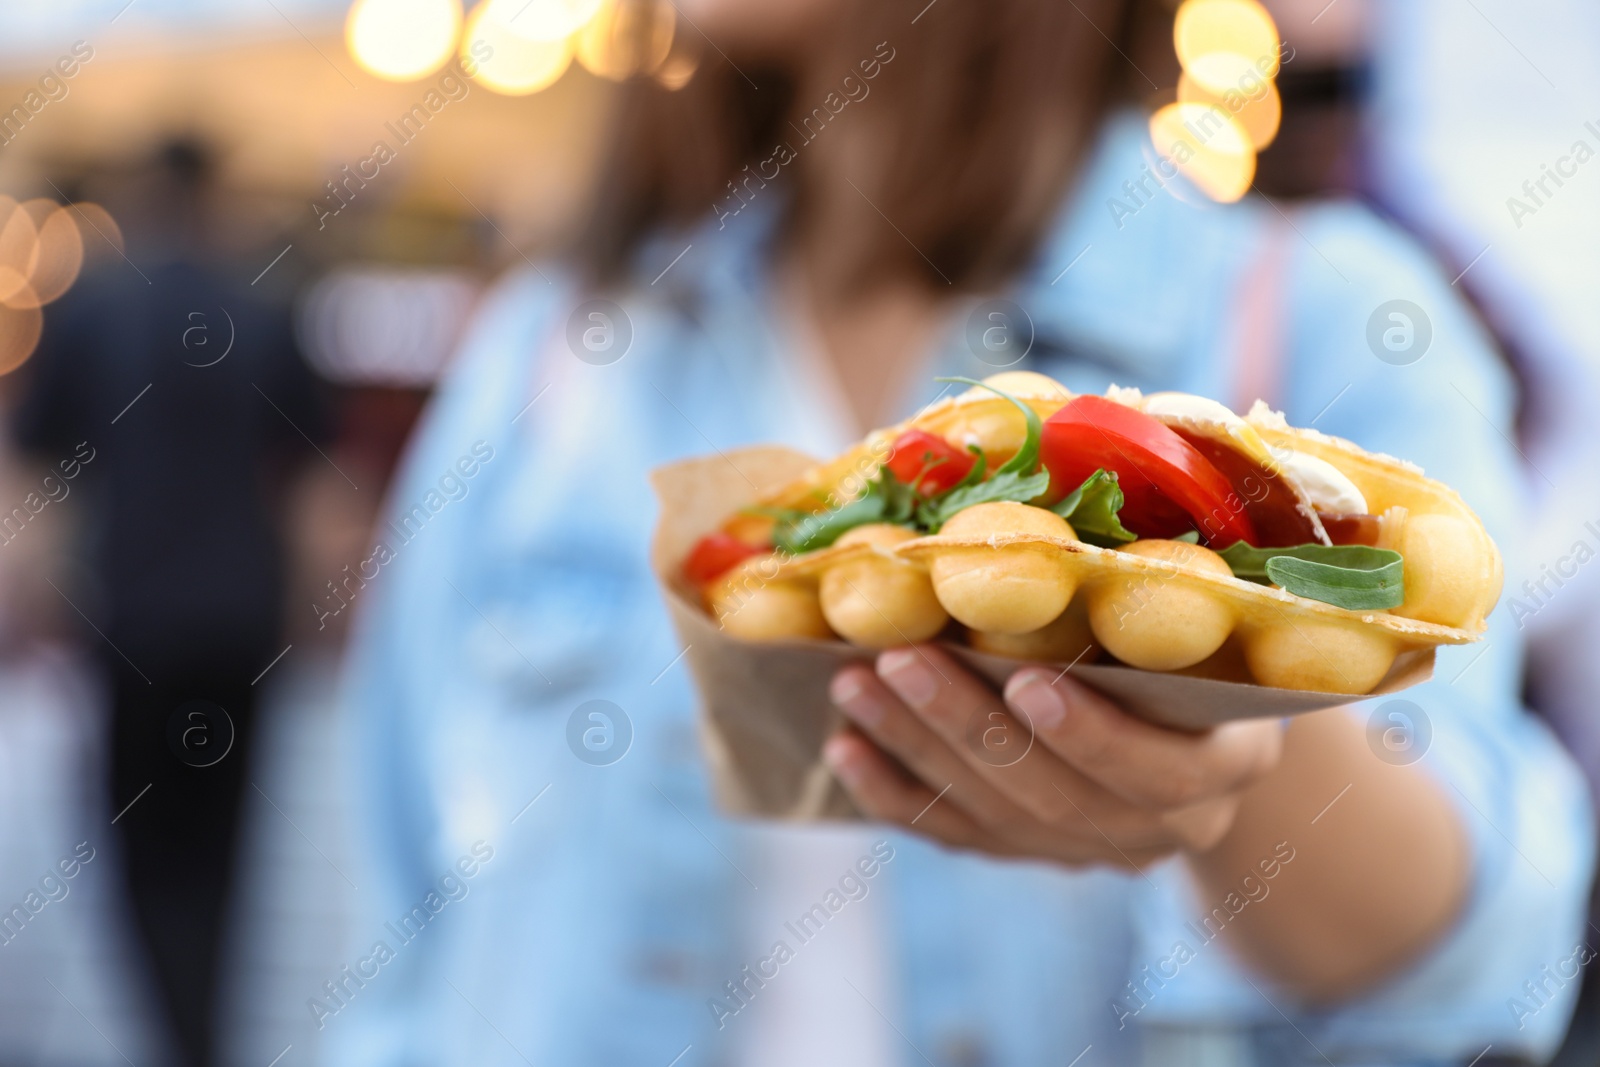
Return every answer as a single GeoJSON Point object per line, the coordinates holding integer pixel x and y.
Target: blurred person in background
{"type": "Point", "coordinates": [934, 153]}
{"type": "Point", "coordinates": [181, 393]}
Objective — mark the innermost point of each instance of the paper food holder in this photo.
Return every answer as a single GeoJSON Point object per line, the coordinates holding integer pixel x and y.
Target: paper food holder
{"type": "Point", "coordinates": [764, 708]}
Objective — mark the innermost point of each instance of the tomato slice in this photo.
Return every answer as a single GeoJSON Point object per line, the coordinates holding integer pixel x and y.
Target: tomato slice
{"type": "Point", "coordinates": [1273, 508]}
{"type": "Point", "coordinates": [1169, 486]}
{"type": "Point", "coordinates": [715, 555]}
{"type": "Point", "coordinates": [914, 450]}
{"type": "Point", "coordinates": [1351, 528]}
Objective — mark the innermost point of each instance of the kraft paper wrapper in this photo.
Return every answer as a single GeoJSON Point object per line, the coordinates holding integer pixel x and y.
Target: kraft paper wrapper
{"type": "Point", "coordinates": [764, 710]}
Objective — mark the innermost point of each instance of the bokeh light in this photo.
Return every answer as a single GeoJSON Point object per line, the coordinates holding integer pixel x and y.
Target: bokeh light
{"type": "Point", "coordinates": [58, 259]}
{"type": "Point", "coordinates": [1208, 147]}
{"type": "Point", "coordinates": [102, 237]}
{"type": "Point", "coordinates": [1227, 106]}
{"type": "Point", "coordinates": [39, 209]}
{"type": "Point", "coordinates": [1259, 110]}
{"type": "Point", "coordinates": [678, 69]}
{"type": "Point", "coordinates": [1221, 43]}
{"type": "Point", "coordinates": [402, 40]}
{"type": "Point", "coordinates": [626, 38]}
{"type": "Point", "coordinates": [541, 20]}
{"type": "Point", "coordinates": [19, 246]}
{"type": "Point", "coordinates": [41, 254]}
{"type": "Point", "coordinates": [516, 65]}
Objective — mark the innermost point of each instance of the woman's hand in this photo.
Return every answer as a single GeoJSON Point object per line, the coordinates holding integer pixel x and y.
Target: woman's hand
{"type": "Point", "coordinates": [1053, 771]}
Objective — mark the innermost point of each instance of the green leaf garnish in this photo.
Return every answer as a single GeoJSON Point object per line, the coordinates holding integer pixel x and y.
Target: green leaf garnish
{"type": "Point", "coordinates": [1192, 537]}
{"type": "Point", "coordinates": [1005, 485]}
{"type": "Point", "coordinates": [1015, 481]}
{"type": "Point", "coordinates": [887, 499]}
{"type": "Point", "coordinates": [1092, 510]}
{"type": "Point", "coordinates": [899, 499]}
{"type": "Point", "coordinates": [1027, 456]}
{"type": "Point", "coordinates": [980, 464]}
{"type": "Point", "coordinates": [810, 532]}
{"type": "Point", "coordinates": [1357, 577]}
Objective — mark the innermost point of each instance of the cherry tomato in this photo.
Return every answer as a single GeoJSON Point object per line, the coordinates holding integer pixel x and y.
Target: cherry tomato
{"type": "Point", "coordinates": [914, 450]}
{"type": "Point", "coordinates": [715, 555]}
{"type": "Point", "coordinates": [1169, 486]}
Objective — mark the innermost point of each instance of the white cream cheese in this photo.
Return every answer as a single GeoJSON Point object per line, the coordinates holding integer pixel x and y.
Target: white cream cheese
{"type": "Point", "coordinates": [1188, 406]}
{"type": "Point", "coordinates": [1323, 484]}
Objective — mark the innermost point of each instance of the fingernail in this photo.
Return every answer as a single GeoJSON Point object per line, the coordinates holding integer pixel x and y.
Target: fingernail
{"type": "Point", "coordinates": [847, 692]}
{"type": "Point", "coordinates": [909, 676]}
{"type": "Point", "coordinates": [1043, 704]}
{"type": "Point", "coordinates": [836, 753]}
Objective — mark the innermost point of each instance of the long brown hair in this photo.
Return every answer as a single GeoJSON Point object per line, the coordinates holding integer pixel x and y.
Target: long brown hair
{"type": "Point", "coordinates": [989, 107]}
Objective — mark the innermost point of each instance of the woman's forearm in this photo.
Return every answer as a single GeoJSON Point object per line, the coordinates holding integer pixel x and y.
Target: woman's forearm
{"type": "Point", "coordinates": [1380, 863]}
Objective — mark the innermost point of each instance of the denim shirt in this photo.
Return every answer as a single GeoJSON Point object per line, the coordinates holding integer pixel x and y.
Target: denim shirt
{"type": "Point", "coordinates": [606, 919]}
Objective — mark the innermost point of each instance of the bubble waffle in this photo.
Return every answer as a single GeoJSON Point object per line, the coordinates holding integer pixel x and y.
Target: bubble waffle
{"type": "Point", "coordinates": [1021, 577]}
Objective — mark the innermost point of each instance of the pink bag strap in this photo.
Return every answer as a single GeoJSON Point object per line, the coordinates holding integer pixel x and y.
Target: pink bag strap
{"type": "Point", "coordinates": [1260, 312]}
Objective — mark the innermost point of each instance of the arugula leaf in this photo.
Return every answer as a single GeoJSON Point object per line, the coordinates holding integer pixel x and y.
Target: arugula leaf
{"type": "Point", "coordinates": [1192, 537]}
{"type": "Point", "coordinates": [1356, 577]}
{"type": "Point", "coordinates": [780, 515]}
{"type": "Point", "coordinates": [1345, 587]}
{"type": "Point", "coordinates": [975, 475]}
{"type": "Point", "coordinates": [899, 498]}
{"type": "Point", "coordinates": [887, 499]}
{"type": "Point", "coordinates": [1016, 480]}
{"type": "Point", "coordinates": [1005, 485]}
{"type": "Point", "coordinates": [810, 532]}
{"type": "Point", "coordinates": [1250, 563]}
{"type": "Point", "coordinates": [1092, 510]}
{"type": "Point", "coordinates": [1027, 456]}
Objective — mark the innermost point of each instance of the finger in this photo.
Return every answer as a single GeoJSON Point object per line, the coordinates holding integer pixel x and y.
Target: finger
{"type": "Point", "coordinates": [1122, 828]}
{"type": "Point", "coordinates": [998, 746]}
{"type": "Point", "coordinates": [886, 793]}
{"type": "Point", "coordinates": [879, 714]}
{"type": "Point", "coordinates": [1201, 827]}
{"type": "Point", "coordinates": [1143, 763]}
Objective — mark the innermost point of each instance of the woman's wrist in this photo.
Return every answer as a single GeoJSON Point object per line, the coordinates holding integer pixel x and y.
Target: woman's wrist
{"type": "Point", "coordinates": [1380, 863]}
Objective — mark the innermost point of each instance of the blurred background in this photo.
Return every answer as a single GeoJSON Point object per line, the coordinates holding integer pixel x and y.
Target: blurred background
{"type": "Point", "coordinates": [1440, 114]}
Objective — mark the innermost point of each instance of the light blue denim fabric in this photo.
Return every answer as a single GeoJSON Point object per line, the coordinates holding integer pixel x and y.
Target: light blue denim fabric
{"type": "Point", "coordinates": [610, 912]}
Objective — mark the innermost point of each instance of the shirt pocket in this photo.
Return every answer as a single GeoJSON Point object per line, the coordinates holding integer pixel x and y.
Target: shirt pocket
{"type": "Point", "coordinates": [557, 615]}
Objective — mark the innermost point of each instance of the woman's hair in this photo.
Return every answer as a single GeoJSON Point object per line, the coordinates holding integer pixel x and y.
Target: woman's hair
{"type": "Point", "coordinates": [982, 110]}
